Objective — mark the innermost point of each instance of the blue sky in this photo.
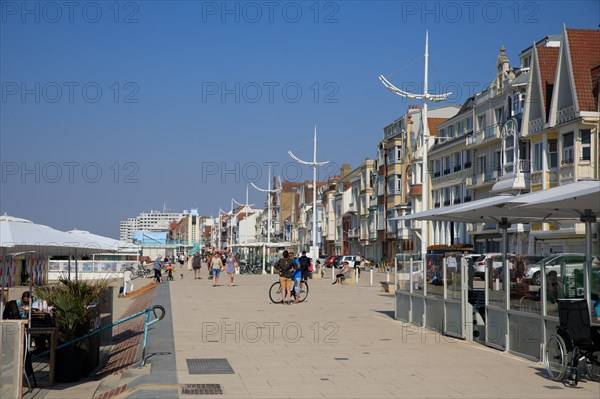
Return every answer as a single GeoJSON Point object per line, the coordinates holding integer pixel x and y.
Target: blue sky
{"type": "Point", "coordinates": [109, 109]}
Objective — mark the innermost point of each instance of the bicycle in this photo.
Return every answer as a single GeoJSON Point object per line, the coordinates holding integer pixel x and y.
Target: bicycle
{"type": "Point", "coordinates": [275, 292]}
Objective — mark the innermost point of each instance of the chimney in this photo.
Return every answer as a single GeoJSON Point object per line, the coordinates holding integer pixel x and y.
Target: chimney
{"type": "Point", "coordinates": [345, 169]}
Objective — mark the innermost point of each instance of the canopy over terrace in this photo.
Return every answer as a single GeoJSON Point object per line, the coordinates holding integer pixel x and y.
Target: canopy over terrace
{"type": "Point", "coordinates": [578, 201]}
{"type": "Point", "coordinates": [23, 237]}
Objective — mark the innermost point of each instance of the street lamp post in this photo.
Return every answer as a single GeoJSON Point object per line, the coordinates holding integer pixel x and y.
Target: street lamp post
{"type": "Point", "coordinates": [426, 97]}
{"type": "Point", "coordinates": [245, 208]}
{"type": "Point", "coordinates": [315, 165]}
{"type": "Point", "coordinates": [268, 191]}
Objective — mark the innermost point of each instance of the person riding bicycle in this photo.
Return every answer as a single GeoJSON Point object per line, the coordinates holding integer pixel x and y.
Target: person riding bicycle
{"type": "Point", "coordinates": [304, 262]}
{"type": "Point", "coordinates": [285, 267]}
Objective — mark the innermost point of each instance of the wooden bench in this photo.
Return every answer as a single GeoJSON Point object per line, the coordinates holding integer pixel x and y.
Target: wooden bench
{"type": "Point", "coordinates": [388, 286]}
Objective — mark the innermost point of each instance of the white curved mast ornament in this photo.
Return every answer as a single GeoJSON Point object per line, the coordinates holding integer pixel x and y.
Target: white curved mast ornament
{"type": "Point", "coordinates": [315, 165]}
{"type": "Point", "coordinates": [425, 97]}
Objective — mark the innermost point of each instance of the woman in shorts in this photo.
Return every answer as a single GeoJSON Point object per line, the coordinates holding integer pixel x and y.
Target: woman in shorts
{"type": "Point", "coordinates": [216, 264]}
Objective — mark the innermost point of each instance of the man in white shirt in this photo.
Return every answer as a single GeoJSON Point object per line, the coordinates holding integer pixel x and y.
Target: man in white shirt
{"type": "Point", "coordinates": [127, 283]}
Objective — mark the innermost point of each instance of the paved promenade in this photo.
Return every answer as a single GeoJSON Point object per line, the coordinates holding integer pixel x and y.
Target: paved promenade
{"type": "Point", "coordinates": [341, 343]}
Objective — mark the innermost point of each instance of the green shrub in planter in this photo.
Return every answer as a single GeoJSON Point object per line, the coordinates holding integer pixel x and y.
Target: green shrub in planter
{"type": "Point", "coordinates": [73, 313]}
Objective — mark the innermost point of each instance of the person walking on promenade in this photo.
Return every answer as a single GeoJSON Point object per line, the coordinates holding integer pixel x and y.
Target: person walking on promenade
{"type": "Point", "coordinates": [127, 283]}
{"type": "Point", "coordinates": [196, 265]}
{"type": "Point", "coordinates": [230, 262]}
{"type": "Point", "coordinates": [158, 263]}
{"type": "Point", "coordinates": [304, 262]}
{"type": "Point", "coordinates": [342, 274]}
{"type": "Point", "coordinates": [296, 279]}
{"type": "Point", "coordinates": [284, 266]}
{"type": "Point", "coordinates": [216, 264]}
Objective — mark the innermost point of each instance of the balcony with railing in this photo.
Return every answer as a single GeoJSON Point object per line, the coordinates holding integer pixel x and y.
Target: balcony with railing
{"type": "Point", "coordinates": [536, 125]}
{"type": "Point", "coordinates": [352, 208]}
{"type": "Point", "coordinates": [565, 114]}
{"type": "Point", "coordinates": [415, 190]}
{"type": "Point", "coordinates": [515, 176]}
{"type": "Point", "coordinates": [353, 233]}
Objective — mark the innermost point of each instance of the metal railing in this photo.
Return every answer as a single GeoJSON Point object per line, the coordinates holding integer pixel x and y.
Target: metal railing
{"type": "Point", "coordinates": [147, 323]}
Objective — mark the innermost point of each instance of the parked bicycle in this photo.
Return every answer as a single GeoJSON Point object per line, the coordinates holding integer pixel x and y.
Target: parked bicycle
{"type": "Point", "coordinates": [275, 292]}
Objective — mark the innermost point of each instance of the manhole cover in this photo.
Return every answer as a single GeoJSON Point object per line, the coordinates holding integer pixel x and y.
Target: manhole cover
{"type": "Point", "coordinates": [209, 366]}
{"type": "Point", "coordinates": [201, 389]}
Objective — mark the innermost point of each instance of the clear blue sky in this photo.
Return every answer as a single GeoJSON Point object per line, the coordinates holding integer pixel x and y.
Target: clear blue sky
{"type": "Point", "coordinates": [109, 111]}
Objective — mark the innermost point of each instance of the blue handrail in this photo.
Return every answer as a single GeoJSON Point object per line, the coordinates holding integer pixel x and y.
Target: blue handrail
{"type": "Point", "coordinates": [147, 323]}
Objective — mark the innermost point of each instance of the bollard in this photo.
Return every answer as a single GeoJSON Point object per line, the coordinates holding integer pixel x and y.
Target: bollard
{"type": "Point", "coordinates": [371, 282]}
{"type": "Point", "coordinates": [355, 275]}
{"type": "Point", "coordinates": [387, 274]}
{"type": "Point", "coordinates": [332, 272]}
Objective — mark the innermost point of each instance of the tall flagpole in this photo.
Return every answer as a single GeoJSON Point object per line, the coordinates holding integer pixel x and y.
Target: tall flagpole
{"type": "Point", "coordinates": [425, 97]}
{"type": "Point", "coordinates": [315, 165]}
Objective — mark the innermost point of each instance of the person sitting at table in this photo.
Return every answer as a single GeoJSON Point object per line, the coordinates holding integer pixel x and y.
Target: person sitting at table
{"type": "Point", "coordinates": [24, 303]}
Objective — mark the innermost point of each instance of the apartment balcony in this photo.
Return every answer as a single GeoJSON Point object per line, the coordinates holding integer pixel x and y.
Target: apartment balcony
{"type": "Point", "coordinates": [536, 125]}
{"type": "Point", "coordinates": [565, 115]}
{"type": "Point", "coordinates": [415, 190]}
{"type": "Point", "coordinates": [353, 233]}
{"type": "Point", "coordinates": [481, 179]}
{"type": "Point", "coordinates": [352, 208]}
{"type": "Point", "coordinates": [515, 177]}
{"type": "Point", "coordinates": [483, 136]}
{"type": "Point", "coordinates": [404, 234]}
{"type": "Point", "coordinates": [567, 171]}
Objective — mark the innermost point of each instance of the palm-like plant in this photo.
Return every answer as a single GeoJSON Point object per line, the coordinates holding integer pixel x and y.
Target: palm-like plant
{"type": "Point", "coordinates": [71, 301]}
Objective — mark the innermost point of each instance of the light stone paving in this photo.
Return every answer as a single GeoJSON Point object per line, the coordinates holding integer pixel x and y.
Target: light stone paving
{"type": "Point", "coordinates": [341, 343]}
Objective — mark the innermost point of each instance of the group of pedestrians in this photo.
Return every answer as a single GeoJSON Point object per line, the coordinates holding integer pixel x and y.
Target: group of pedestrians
{"type": "Point", "coordinates": [215, 264]}
{"type": "Point", "coordinates": [292, 271]}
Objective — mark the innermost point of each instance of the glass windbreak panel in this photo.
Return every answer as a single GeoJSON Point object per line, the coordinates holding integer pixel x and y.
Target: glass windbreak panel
{"type": "Point", "coordinates": [453, 279]}
{"type": "Point", "coordinates": [595, 288]}
{"type": "Point", "coordinates": [11, 353]}
{"type": "Point", "coordinates": [435, 284]}
{"type": "Point", "coordinates": [564, 279]}
{"type": "Point", "coordinates": [525, 294]}
{"type": "Point", "coordinates": [403, 276]}
{"type": "Point", "coordinates": [53, 266]}
{"type": "Point", "coordinates": [417, 276]}
{"type": "Point", "coordinates": [495, 286]}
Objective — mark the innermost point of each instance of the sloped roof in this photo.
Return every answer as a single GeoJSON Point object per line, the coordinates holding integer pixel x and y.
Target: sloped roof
{"type": "Point", "coordinates": [547, 57]}
{"type": "Point", "coordinates": [584, 51]}
{"type": "Point", "coordinates": [433, 123]}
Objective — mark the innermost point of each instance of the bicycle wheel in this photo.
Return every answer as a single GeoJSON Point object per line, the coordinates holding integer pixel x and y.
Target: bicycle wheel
{"type": "Point", "coordinates": [592, 366]}
{"type": "Point", "coordinates": [303, 291]}
{"type": "Point", "coordinates": [555, 357]}
{"type": "Point", "coordinates": [275, 293]}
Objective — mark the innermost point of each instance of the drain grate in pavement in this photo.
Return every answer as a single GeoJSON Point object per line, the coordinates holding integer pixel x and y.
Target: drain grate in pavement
{"type": "Point", "coordinates": [385, 339]}
{"type": "Point", "coordinates": [201, 389]}
{"type": "Point", "coordinates": [341, 358]}
{"type": "Point", "coordinates": [209, 366]}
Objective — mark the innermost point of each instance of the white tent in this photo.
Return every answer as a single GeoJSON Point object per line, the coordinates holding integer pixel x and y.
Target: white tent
{"type": "Point", "coordinates": [105, 242]}
{"type": "Point", "coordinates": [23, 236]}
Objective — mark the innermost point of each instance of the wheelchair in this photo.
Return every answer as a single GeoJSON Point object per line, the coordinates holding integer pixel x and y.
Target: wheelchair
{"type": "Point", "coordinates": [575, 348]}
